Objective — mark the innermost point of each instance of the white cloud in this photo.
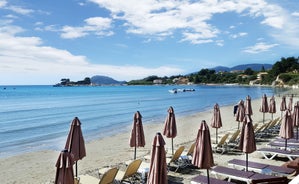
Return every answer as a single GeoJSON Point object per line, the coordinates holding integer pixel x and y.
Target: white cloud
{"type": "Point", "coordinates": [259, 47]}
{"type": "Point", "coordinates": [3, 3]}
{"type": "Point", "coordinates": [94, 25]}
{"type": "Point", "coordinates": [162, 18]}
{"type": "Point", "coordinates": [25, 60]}
{"type": "Point", "coordinates": [296, 14]}
{"type": "Point", "coordinates": [239, 35]}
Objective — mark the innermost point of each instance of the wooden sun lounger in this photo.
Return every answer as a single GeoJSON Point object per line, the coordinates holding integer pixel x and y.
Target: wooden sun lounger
{"type": "Point", "coordinates": [200, 179]}
{"type": "Point", "coordinates": [239, 175]}
{"type": "Point", "coordinates": [270, 153]}
{"type": "Point", "coordinates": [262, 168]}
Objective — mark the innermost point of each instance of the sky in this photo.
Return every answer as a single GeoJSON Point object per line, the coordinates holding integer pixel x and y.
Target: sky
{"type": "Point", "coordinates": [42, 42]}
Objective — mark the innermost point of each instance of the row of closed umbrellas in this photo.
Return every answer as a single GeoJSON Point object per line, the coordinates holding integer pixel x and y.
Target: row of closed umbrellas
{"type": "Point", "coordinates": [202, 155]}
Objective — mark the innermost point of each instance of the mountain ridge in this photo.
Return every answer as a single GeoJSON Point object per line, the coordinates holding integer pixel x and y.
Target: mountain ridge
{"type": "Point", "coordinates": [253, 66]}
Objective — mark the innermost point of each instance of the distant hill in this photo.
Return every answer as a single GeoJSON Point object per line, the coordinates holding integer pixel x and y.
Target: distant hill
{"type": "Point", "coordinates": [254, 67]}
{"type": "Point", "coordinates": [104, 80]}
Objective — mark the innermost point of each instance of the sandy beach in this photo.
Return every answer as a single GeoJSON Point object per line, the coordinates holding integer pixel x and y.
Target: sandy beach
{"type": "Point", "coordinates": [39, 167]}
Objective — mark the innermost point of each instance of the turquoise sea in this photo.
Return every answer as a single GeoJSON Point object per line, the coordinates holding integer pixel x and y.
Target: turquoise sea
{"type": "Point", "coordinates": [38, 117]}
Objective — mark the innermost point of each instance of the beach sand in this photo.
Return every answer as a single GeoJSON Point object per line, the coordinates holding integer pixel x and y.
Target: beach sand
{"type": "Point", "coordinates": [39, 167]}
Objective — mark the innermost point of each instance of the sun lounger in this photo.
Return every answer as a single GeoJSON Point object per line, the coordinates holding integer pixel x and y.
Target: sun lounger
{"type": "Point", "coordinates": [281, 145]}
{"type": "Point", "coordinates": [107, 178]}
{"type": "Point", "coordinates": [176, 161]}
{"type": "Point", "coordinates": [270, 153]}
{"type": "Point", "coordinates": [222, 146]}
{"type": "Point", "coordinates": [200, 179]}
{"type": "Point", "coordinates": [262, 168]}
{"type": "Point", "coordinates": [187, 156]}
{"type": "Point", "coordinates": [239, 175]}
{"type": "Point", "coordinates": [129, 174]}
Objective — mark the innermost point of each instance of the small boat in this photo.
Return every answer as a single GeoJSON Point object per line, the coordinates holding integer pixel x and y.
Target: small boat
{"type": "Point", "coordinates": [174, 90]}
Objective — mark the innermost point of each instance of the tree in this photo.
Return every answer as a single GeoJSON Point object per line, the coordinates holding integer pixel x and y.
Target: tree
{"type": "Point", "coordinates": [248, 71]}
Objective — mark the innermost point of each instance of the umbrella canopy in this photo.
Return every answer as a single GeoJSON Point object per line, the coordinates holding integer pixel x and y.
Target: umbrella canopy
{"type": "Point", "coordinates": [170, 130]}
{"type": "Point", "coordinates": [240, 112]}
{"type": "Point", "coordinates": [202, 154]}
{"type": "Point", "coordinates": [286, 129]}
{"type": "Point", "coordinates": [137, 134]}
{"type": "Point", "coordinates": [264, 106]}
{"type": "Point", "coordinates": [248, 107]}
{"type": "Point", "coordinates": [75, 142]}
{"type": "Point", "coordinates": [216, 121]}
{"type": "Point", "coordinates": [247, 138]}
{"type": "Point", "coordinates": [283, 105]}
{"type": "Point", "coordinates": [295, 117]}
{"type": "Point", "coordinates": [64, 168]}
{"type": "Point", "coordinates": [290, 105]}
{"type": "Point", "coordinates": [158, 167]}
{"type": "Point", "coordinates": [272, 106]}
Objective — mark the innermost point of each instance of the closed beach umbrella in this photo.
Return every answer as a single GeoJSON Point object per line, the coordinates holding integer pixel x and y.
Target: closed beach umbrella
{"type": "Point", "coordinates": [290, 105]}
{"type": "Point", "coordinates": [283, 105]}
{"type": "Point", "coordinates": [247, 139]}
{"type": "Point", "coordinates": [264, 106]}
{"type": "Point", "coordinates": [64, 168]}
{"type": "Point", "coordinates": [286, 129]}
{"type": "Point", "coordinates": [240, 112]}
{"type": "Point", "coordinates": [295, 117]}
{"type": "Point", "coordinates": [248, 107]}
{"type": "Point", "coordinates": [216, 121]}
{"type": "Point", "coordinates": [137, 134]}
{"type": "Point", "coordinates": [272, 106]}
{"type": "Point", "coordinates": [170, 130]}
{"type": "Point", "coordinates": [158, 167]}
{"type": "Point", "coordinates": [202, 154]}
{"type": "Point", "coordinates": [75, 142]}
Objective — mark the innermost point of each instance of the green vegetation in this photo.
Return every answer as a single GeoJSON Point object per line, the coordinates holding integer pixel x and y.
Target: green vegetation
{"type": "Point", "coordinates": [283, 72]}
{"type": "Point", "coordinates": [67, 82]}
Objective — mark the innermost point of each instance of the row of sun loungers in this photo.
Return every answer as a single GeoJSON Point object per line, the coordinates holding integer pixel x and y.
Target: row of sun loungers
{"type": "Point", "coordinates": [258, 172]}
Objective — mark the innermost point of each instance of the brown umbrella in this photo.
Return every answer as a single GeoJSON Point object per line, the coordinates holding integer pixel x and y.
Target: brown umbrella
{"type": "Point", "coordinates": [170, 130]}
{"type": "Point", "coordinates": [296, 117]}
{"type": "Point", "coordinates": [248, 107]}
{"type": "Point", "coordinates": [137, 134]}
{"type": "Point", "coordinates": [158, 167]}
{"type": "Point", "coordinates": [272, 106]}
{"type": "Point", "coordinates": [290, 105]}
{"type": "Point", "coordinates": [202, 154]}
{"type": "Point", "coordinates": [240, 112]}
{"type": "Point", "coordinates": [286, 129]}
{"type": "Point", "coordinates": [283, 104]}
{"type": "Point", "coordinates": [247, 138]}
{"type": "Point", "coordinates": [75, 142]}
{"type": "Point", "coordinates": [64, 168]}
{"type": "Point", "coordinates": [264, 106]}
{"type": "Point", "coordinates": [216, 121]}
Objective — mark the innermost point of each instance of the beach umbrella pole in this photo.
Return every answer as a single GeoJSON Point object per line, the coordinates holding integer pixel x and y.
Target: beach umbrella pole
{"type": "Point", "coordinates": [208, 176]}
{"type": "Point", "coordinates": [246, 161]}
{"type": "Point", "coordinates": [216, 135]}
{"type": "Point", "coordinates": [172, 145]}
{"type": "Point", "coordinates": [76, 170]}
{"type": "Point", "coordinates": [297, 133]}
{"type": "Point", "coordinates": [263, 117]}
{"type": "Point", "coordinates": [135, 153]}
{"type": "Point", "coordinates": [285, 146]}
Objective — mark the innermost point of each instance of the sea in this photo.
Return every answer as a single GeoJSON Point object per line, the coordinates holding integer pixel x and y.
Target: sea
{"type": "Point", "coordinates": [35, 118]}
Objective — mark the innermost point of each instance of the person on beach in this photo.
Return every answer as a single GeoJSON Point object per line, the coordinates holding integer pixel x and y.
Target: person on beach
{"type": "Point", "coordinates": [235, 109]}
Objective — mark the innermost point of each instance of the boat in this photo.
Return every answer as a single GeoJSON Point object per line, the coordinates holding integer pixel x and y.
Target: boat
{"type": "Point", "coordinates": [175, 90]}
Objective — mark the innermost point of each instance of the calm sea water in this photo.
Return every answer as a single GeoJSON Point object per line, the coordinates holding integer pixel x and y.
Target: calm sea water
{"type": "Point", "coordinates": [38, 117]}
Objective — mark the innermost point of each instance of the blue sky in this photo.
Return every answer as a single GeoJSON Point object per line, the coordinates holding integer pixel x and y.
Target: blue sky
{"type": "Point", "coordinates": [42, 42]}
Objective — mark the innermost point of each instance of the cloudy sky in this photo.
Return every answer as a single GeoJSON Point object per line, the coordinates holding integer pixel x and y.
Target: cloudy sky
{"type": "Point", "coordinates": [44, 41]}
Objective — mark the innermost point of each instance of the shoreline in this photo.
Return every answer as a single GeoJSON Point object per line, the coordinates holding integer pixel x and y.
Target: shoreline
{"type": "Point", "coordinates": [39, 167]}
